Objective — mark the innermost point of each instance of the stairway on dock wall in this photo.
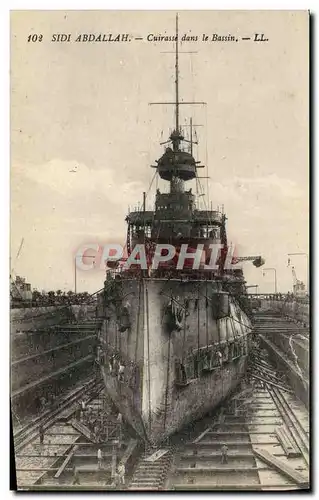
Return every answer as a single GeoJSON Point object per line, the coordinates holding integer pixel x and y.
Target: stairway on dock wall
{"type": "Point", "coordinates": [151, 475]}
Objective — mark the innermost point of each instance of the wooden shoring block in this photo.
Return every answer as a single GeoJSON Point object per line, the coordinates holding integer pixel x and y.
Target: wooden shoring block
{"type": "Point", "coordinates": [281, 466]}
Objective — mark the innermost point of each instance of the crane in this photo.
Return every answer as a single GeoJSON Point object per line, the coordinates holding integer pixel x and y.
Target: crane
{"type": "Point", "coordinates": [257, 260]}
{"type": "Point", "coordinates": [298, 286]}
{"type": "Point", "coordinates": [14, 289]}
{"type": "Point", "coordinates": [17, 256]}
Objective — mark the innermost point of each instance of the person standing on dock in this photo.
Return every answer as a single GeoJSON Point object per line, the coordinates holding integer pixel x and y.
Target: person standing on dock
{"type": "Point", "coordinates": [76, 477]}
{"type": "Point", "coordinates": [78, 413]}
{"type": "Point", "coordinates": [41, 434]}
{"type": "Point", "coordinates": [99, 458]}
{"type": "Point", "coordinates": [121, 372]}
{"type": "Point", "coordinates": [183, 373]}
{"type": "Point", "coordinates": [121, 473]}
{"type": "Point", "coordinates": [43, 403]}
{"type": "Point", "coordinates": [224, 458]}
{"type": "Point", "coordinates": [98, 355]}
{"type": "Point", "coordinates": [221, 418]}
{"type": "Point", "coordinates": [119, 421]}
{"type": "Point", "coordinates": [113, 363]}
{"type": "Point", "coordinates": [83, 408]}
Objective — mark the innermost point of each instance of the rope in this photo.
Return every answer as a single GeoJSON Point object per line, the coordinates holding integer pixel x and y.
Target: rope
{"type": "Point", "coordinates": [167, 380]}
{"type": "Point", "coordinates": [184, 339]}
{"type": "Point", "coordinates": [203, 193]}
{"type": "Point", "coordinates": [138, 321]}
{"type": "Point", "coordinates": [240, 322]}
{"type": "Point", "coordinates": [206, 307]}
{"type": "Point", "coordinates": [148, 358]}
{"type": "Point", "coordinates": [206, 157]}
{"type": "Point", "coordinates": [198, 328]}
{"type": "Point", "coordinates": [149, 188]}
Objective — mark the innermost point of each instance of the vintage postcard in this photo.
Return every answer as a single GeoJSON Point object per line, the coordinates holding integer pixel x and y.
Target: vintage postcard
{"type": "Point", "coordinates": [159, 271]}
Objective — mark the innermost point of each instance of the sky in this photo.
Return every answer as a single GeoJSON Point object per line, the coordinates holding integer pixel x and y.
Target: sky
{"type": "Point", "coordinates": [83, 135]}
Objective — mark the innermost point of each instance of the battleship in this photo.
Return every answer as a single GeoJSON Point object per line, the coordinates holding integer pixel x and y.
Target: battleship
{"type": "Point", "coordinates": [175, 339]}
{"type": "Point", "coordinates": [171, 375]}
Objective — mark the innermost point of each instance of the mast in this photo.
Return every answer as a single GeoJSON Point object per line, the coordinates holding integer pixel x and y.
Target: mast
{"type": "Point", "coordinates": [176, 80]}
{"type": "Point", "coordinates": [191, 134]}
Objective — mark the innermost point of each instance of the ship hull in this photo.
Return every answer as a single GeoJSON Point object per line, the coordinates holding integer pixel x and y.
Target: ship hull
{"type": "Point", "coordinates": [198, 398]}
{"type": "Point", "coordinates": [176, 369]}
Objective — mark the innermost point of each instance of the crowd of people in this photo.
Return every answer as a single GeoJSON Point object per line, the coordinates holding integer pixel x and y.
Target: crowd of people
{"type": "Point", "coordinates": [99, 422]}
{"type": "Point", "coordinates": [124, 371]}
{"type": "Point", "coordinates": [209, 358]}
{"type": "Point", "coordinates": [287, 297]}
{"type": "Point", "coordinates": [102, 425]}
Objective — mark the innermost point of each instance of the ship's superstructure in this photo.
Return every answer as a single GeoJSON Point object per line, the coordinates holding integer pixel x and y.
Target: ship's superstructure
{"type": "Point", "coordinates": [175, 337]}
